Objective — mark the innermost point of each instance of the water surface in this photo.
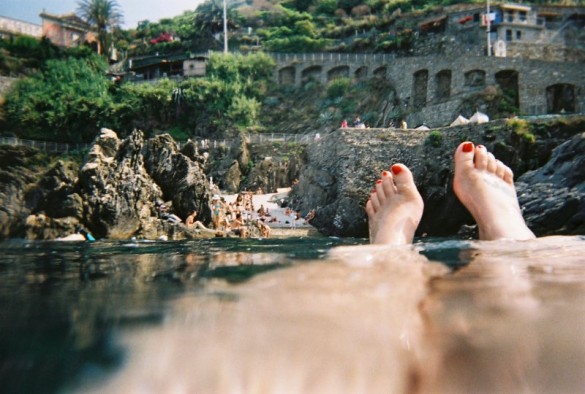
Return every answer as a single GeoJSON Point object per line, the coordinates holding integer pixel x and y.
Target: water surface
{"type": "Point", "coordinates": [297, 315]}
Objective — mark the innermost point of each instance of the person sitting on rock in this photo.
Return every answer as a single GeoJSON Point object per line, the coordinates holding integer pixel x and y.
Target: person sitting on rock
{"type": "Point", "coordinates": [263, 227]}
{"type": "Point", "coordinates": [311, 215]}
{"type": "Point", "coordinates": [165, 213]}
{"type": "Point", "coordinates": [192, 222]}
{"type": "Point", "coordinates": [238, 228]}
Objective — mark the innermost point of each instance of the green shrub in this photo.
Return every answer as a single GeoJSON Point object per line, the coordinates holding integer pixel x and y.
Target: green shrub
{"type": "Point", "coordinates": [522, 129]}
{"type": "Point", "coordinates": [338, 87]}
{"type": "Point", "coordinates": [435, 138]}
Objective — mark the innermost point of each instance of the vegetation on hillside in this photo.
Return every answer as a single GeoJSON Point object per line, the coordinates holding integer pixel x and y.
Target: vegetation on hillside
{"type": "Point", "coordinates": [69, 100]}
{"type": "Point", "coordinates": [65, 94]}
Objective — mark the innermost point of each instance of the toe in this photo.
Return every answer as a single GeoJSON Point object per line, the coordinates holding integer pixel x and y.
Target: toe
{"type": "Point", "coordinates": [403, 179]}
{"type": "Point", "coordinates": [508, 175]}
{"type": "Point", "coordinates": [375, 202]}
{"type": "Point", "coordinates": [380, 194]}
{"type": "Point", "coordinates": [492, 163]}
{"type": "Point", "coordinates": [500, 169]}
{"type": "Point", "coordinates": [481, 157]}
{"type": "Point", "coordinates": [370, 209]}
{"type": "Point", "coordinates": [464, 155]}
{"type": "Point", "coordinates": [388, 184]}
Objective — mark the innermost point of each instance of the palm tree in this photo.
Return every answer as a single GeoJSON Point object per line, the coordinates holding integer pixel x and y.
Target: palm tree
{"type": "Point", "coordinates": [104, 15]}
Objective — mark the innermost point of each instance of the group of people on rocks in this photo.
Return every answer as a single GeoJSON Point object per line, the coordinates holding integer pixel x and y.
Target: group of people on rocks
{"type": "Point", "coordinates": [235, 217]}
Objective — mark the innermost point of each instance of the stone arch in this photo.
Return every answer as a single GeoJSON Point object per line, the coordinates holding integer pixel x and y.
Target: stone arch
{"type": "Point", "coordinates": [311, 73]}
{"type": "Point", "coordinates": [443, 84]}
{"type": "Point", "coordinates": [420, 83]}
{"type": "Point", "coordinates": [381, 72]}
{"type": "Point", "coordinates": [286, 75]}
{"type": "Point", "coordinates": [475, 78]}
{"type": "Point", "coordinates": [361, 73]}
{"type": "Point", "coordinates": [560, 98]}
{"type": "Point", "coordinates": [507, 80]}
{"type": "Point", "coordinates": [338, 72]}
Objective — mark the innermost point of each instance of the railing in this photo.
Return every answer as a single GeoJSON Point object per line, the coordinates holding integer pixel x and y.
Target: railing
{"type": "Point", "coordinates": [57, 147]}
{"type": "Point", "coordinates": [333, 57]}
{"type": "Point", "coordinates": [261, 138]}
{"type": "Point", "coordinates": [45, 146]}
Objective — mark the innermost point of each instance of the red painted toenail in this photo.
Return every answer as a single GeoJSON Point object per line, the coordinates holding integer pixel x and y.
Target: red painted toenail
{"type": "Point", "coordinates": [396, 169]}
{"type": "Point", "coordinates": [379, 181]}
{"type": "Point", "coordinates": [373, 191]}
{"type": "Point", "coordinates": [384, 173]}
{"type": "Point", "coordinates": [467, 147]}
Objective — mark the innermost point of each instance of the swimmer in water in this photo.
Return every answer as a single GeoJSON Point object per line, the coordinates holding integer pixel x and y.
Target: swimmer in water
{"type": "Point", "coordinates": [482, 183]}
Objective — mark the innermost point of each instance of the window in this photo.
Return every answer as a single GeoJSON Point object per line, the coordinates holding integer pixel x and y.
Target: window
{"type": "Point", "coordinates": [508, 35]}
{"type": "Point", "coordinates": [518, 35]}
{"type": "Point", "coordinates": [476, 17]}
{"type": "Point", "coordinates": [510, 16]}
{"type": "Point", "coordinates": [522, 16]}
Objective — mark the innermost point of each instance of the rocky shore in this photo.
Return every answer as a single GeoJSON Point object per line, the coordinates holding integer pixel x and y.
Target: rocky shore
{"type": "Point", "coordinates": [546, 155]}
{"type": "Point", "coordinates": [115, 190]}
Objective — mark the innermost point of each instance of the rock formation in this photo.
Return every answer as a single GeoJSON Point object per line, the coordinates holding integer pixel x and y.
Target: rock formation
{"type": "Point", "coordinates": [342, 168]}
{"type": "Point", "coordinates": [114, 193]}
{"type": "Point", "coordinates": [553, 196]}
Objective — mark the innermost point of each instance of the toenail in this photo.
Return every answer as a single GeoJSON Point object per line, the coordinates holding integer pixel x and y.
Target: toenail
{"type": "Point", "coordinates": [384, 173]}
{"type": "Point", "coordinates": [467, 147]}
{"type": "Point", "coordinates": [396, 169]}
{"type": "Point", "coordinates": [373, 191]}
{"type": "Point", "coordinates": [379, 181]}
{"type": "Point", "coordinates": [481, 146]}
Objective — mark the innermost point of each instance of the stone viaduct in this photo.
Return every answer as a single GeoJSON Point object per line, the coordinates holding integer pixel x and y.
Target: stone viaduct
{"type": "Point", "coordinates": [432, 89]}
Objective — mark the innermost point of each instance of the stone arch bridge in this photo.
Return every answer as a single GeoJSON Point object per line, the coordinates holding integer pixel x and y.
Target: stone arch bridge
{"type": "Point", "coordinates": [432, 89]}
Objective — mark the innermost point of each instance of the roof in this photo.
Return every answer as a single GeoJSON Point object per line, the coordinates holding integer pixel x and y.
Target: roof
{"type": "Point", "coordinates": [517, 7]}
{"type": "Point", "coordinates": [70, 20]}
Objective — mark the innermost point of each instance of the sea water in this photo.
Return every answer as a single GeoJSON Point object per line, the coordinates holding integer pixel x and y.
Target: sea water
{"type": "Point", "coordinates": [292, 315]}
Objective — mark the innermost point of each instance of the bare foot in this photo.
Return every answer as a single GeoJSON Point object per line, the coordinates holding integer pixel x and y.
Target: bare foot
{"type": "Point", "coordinates": [486, 187]}
{"type": "Point", "coordinates": [394, 208]}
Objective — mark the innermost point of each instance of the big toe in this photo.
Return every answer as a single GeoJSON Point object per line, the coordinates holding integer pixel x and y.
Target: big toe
{"type": "Point", "coordinates": [464, 155]}
{"type": "Point", "coordinates": [403, 180]}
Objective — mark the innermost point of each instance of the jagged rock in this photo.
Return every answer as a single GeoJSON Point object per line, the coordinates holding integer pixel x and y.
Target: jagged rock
{"type": "Point", "coordinates": [56, 193]}
{"type": "Point", "coordinates": [120, 188]}
{"type": "Point", "coordinates": [181, 179]}
{"type": "Point", "coordinates": [553, 196]}
{"type": "Point", "coordinates": [19, 168]}
{"type": "Point", "coordinates": [40, 227]}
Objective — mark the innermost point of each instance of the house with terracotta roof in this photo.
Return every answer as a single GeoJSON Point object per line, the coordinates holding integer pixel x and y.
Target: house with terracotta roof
{"type": "Point", "coordinates": [67, 30]}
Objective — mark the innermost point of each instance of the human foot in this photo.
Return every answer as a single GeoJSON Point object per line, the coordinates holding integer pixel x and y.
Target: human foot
{"type": "Point", "coordinates": [485, 186]}
{"type": "Point", "coordinates": [394, 208]}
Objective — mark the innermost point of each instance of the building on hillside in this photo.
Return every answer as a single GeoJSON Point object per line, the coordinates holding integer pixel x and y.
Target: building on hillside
{"type": "Point", "coordinates": [67, 30]}
{"type": "Point", "coordinates": [13, 27]}
{"type": "Point", "coordinates": [167, 66]}
{"type": "Point", "coordinates": [519, 23]}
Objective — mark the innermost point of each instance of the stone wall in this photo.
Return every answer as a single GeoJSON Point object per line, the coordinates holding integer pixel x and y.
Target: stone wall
{"type": "Point", "coordinates": [421, 85]}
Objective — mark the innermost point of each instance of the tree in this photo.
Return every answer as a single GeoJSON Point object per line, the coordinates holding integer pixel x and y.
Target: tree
{"type": "Point", "coordinates": [104, 15]}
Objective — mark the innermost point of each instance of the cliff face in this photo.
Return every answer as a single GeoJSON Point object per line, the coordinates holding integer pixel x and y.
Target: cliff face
{"type": "Point", "coordinates": [342, 168]}
{"type": "Point", "coordinates": [114, 193]}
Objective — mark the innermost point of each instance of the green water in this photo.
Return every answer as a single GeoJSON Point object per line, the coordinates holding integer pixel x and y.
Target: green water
{"type": "Point", "coordinates": [298, 315]}
{"type": "Point", "coordinates": [61, 302]}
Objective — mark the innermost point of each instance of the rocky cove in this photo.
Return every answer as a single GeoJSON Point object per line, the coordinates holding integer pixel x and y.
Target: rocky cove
{"type": "Point", "coordinates": [114, 188]}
